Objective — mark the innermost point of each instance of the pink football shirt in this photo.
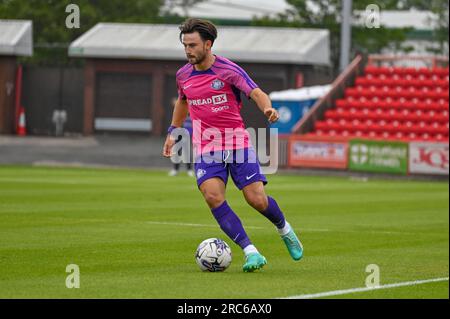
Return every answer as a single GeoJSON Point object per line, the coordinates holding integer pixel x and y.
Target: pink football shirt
{"type": "Point", "coordinates": [214, 101]}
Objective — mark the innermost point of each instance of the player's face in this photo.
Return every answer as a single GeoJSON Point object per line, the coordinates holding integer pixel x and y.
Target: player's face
{"type": "Point", "coordinates": [195, 48]}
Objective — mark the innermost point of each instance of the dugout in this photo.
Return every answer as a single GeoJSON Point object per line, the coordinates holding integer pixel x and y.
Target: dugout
{"type": "Point", "coordinates": [16, 39]}
{"type": "Point", "coordinates": [129, 75]}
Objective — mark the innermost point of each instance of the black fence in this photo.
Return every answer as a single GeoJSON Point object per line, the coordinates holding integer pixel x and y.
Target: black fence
{"type": "Point", "coordinates": [50, 89]}
{"type": "Point", "coordinates": [47, 89]}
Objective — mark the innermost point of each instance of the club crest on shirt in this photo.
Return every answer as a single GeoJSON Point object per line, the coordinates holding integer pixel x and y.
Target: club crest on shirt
{"type": "Point", "coordinates": [217, 84]}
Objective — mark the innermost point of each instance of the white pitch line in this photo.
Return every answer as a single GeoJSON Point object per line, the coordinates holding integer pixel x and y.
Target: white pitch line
{"type": "Point", "coordinates": [364, 289]}
{"type": "Point", "coordinates": [192, 225]}
{"type": "Point", "coordinates": [215, 226]}
{"type": "Point", "coordinates": [36, 180]}
{"type": "Point", "coordinates": [319, 230]}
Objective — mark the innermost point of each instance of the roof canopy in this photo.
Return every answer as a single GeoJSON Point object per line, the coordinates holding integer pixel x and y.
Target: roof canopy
{"type": "Point", "coordinates": [306, 93]}
{"type": "Point", "coordinates": [241, 44]}
{"type": "Point", "coordinates": [16, 37]}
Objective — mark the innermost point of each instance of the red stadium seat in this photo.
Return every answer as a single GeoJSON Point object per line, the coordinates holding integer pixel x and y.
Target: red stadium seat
{"type": "Point", "coordinates": [341, 103]}
{"type": "Point", "coordinates": [392, 103]}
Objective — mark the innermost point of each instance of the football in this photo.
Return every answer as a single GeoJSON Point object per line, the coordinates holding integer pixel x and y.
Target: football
{"type": "Point", "coordinates": [213, 254]}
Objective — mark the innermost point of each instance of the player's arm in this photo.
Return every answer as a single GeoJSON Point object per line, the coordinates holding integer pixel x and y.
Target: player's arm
{"type": "Point", "coordinates": [180, 113]}
{"type": "Point", "coordinates": [179, 116]}
{"type": "Point", "coordinates": [264, 104]}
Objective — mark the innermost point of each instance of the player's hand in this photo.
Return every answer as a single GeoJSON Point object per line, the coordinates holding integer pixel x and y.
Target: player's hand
{"type": "Point", "coordinates": [167, 149]}
{"type": "Point", "coordinates": [272, 115]}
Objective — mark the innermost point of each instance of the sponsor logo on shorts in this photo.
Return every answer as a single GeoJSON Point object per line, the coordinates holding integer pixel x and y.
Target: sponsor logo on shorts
{"type": "Point", "coordinates": [200, 173]}
{"type": "Point", "coordinates": [251, 176]}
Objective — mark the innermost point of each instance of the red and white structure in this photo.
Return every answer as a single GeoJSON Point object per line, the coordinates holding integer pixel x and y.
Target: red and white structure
{"type": "Point", "coordinates": [382, 101]}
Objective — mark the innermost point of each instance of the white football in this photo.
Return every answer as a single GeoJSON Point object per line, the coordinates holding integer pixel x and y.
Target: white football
{"type": "Point", "coordinates": [213, 254]}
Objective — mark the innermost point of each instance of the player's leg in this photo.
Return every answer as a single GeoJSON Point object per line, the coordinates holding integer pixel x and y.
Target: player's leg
{"type": "Point", "coordinates": [248, 177]}
{"type": "Point", "coordinates": [212, 171]}
{"type": "Point", "coordinates": [189, 169]}
{"type": "Point", "coordinates": [213, 191]}
{"type": "Point", "coordinates": [253, 259]}
{"type": "Point", "coordinates": [256, 197]}
{"type": "Point", "coordinates": [187, 156]}
{"type": "Point", "coordinates": [176, 160]}
{"type": "Point", "coordinates": [174, 170]}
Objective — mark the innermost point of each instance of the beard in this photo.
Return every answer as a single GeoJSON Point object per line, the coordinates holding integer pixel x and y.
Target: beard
{"type": "Point", "coordinates": [197, 60]}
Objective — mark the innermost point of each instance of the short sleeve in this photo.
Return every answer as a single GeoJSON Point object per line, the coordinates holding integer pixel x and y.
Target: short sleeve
{"type": "Point", "coordinates": [181, 95]}
{"type": "Point", "coordinates": [240, 79]}
{"type": "Point", "coordinates": [181, 76]}
{"type": "Point", "coordinates": [235, 75]}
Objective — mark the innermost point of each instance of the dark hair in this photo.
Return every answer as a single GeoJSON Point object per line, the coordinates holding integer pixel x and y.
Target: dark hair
{"type": "Point", "coordinates": [205, 28]}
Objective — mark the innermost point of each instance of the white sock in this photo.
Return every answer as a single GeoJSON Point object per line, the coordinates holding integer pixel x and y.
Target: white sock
{"type": "Point", "coordinates": [250, 249]}
{"type": "Point", "coordinates": [286, 229]}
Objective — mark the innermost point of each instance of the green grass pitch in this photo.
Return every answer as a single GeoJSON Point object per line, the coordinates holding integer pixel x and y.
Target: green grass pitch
{"type": "Point", "coordinates": [133, 233]}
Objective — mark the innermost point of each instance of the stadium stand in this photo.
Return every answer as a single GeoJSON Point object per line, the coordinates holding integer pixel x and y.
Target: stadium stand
{"type": "Point", "coordinates": [391, 103]}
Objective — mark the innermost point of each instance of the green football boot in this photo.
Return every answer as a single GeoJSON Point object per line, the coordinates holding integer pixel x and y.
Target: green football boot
{"type": "Point", "coordinates": [293, 245]}
{"type": "Point", "coordinates": [254, 261]}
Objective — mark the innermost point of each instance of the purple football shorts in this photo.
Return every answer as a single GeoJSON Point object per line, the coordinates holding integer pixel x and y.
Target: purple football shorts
{"type": "Point", "coordinates": [242, 165]}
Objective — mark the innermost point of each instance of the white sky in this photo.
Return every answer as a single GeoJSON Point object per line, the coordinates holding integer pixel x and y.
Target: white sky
{"type": "Point", "coordinates": [236, 9]}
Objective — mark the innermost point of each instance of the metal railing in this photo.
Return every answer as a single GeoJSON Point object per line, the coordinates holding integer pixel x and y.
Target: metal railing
{"type": "Point", "coordinates": [283, 150]}
{"type": "Point", "coordinates": [344, 80]}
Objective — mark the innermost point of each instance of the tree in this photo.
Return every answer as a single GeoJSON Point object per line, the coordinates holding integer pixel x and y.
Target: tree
{"type": "Point", "coordinates": [441, 31]}
{"type": "Point", "coordinates": [440, 25]}
{"type": "Point", "coordinates": [52, 37]}
{"type": "Point", "coordinates": [184, 4]}
{"type": "Point", "coordinates": [326, 14]}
